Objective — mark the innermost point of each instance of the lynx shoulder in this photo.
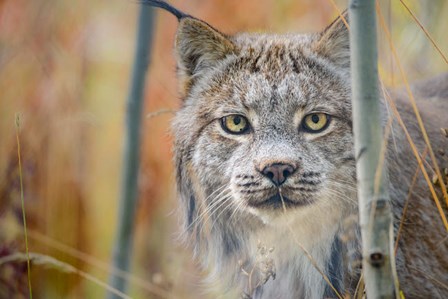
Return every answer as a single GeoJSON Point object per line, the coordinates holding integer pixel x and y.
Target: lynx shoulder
{"type": "Point", "coordinates": [265, 165]}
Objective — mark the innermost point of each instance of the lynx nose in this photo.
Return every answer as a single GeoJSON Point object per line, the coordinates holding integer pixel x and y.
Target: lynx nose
{"type": "Point", "coordinates": [278, 172]}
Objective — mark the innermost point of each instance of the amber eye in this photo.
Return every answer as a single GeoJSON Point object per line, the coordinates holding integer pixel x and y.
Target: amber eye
{"type": "Point", "coordinates": [316, 122]}
{"type": "Point", "coordinates": [235, 124]}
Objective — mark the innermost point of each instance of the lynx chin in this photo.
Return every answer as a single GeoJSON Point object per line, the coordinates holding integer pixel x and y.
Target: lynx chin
{"type": "Point", "coordinates": [265, 165]}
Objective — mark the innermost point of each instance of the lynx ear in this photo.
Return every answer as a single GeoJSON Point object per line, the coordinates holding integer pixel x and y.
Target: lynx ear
{"type": "Point", "coordinates": [198, 47]}
{"type": "Point", "coordinates": [334, 44]}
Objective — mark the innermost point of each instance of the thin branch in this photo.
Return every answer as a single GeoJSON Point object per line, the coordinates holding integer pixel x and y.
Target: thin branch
{"type": "Point", "coordinates": [377, 233]}
{"type": "Point", "coordinates": [131, 157]}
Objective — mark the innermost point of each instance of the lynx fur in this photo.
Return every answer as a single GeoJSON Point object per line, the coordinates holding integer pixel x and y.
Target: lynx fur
{"type": "Point", "coordinates": [272, 209]}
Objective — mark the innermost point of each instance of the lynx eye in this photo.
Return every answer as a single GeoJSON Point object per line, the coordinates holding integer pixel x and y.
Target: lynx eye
{"type": "Point", "coordinates": [235, 124]}
{"type": "Point", "coordinates": [316, 122]}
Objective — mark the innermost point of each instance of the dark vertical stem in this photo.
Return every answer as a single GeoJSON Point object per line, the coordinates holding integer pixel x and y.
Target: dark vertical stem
{"type": "Point", "coordinates": [122, 252]}
{"type": "Point", "coordinates": [374, 203]}
{"type": "Point", "coordinates": [22, 199]}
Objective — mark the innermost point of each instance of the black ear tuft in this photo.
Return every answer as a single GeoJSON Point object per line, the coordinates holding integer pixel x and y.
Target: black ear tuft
{"type": "Point", "coordinates": [166, 6]}
{"type": "Point", "coordinates": [199, 47]}
{"type": "Point", "coordinates": [333, 42]}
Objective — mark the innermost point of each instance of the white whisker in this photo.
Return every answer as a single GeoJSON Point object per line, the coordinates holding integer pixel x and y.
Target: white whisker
{"type": "Point", "coordinates": [218, 201]}
{"type": "Point", "coordinates": [217, 217]}
{"type": "Point", "coordinates": [236, 209]}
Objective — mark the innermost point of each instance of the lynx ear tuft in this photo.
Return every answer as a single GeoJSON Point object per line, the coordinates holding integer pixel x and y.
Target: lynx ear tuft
{"type": "Point", "coordinates": [198, 47]}
{"type": "Point", "coordinates": [334, 43]}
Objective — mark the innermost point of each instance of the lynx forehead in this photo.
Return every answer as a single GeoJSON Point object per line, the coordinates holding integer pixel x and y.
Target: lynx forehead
{"type": "Point", "coordinates": [264, 151]}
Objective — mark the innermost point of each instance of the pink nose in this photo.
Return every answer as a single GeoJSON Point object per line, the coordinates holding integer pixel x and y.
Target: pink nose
{"type": "Point", "coordinates": [278, 172]}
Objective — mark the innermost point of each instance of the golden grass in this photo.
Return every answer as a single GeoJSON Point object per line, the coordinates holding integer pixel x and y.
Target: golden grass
{"type": "Point", "coordinates": [413, 103]}
{"type": "Point", "coordinates": [420, 122]}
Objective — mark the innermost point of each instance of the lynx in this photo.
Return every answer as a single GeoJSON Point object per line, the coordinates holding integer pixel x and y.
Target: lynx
{"type": "Point", "coordinates": [266, 170]}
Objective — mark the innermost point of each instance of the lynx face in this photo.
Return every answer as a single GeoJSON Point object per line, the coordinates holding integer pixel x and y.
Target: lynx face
{"type": "Point", "coordinates": [266, 119]}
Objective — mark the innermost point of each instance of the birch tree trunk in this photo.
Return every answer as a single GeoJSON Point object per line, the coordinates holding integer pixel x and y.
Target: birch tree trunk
{"type": "Point", "coordinates": [374, 204]}
{"type": "Point", "coordinates": [122, 252]}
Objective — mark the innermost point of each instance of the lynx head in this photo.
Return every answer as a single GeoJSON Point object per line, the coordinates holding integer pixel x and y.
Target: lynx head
{"type": "Point", "coordinates": [265, 125]}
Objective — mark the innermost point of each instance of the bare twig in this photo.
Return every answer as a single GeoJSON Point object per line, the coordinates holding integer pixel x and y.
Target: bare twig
{"type": "Point", "coordinates": [128, 200]}
{"type": "Point", "coordinates": [377, 234]}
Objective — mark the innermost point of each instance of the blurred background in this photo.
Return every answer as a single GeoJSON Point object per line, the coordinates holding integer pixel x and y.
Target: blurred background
{"type": "Point", "coordinates": [64, 69]}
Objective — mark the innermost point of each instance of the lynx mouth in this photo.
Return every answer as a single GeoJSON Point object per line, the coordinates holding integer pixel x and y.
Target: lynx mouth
{"type": "Point", "coordinates": [278, 202]}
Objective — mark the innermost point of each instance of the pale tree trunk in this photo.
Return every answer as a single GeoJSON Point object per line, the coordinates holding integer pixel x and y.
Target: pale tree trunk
{"type": "Point", "coordinates": [374, 204]}
{"type": "Point", "coordinates": [122, 252]}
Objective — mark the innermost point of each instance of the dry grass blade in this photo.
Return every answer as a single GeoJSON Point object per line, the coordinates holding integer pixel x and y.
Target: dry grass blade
{"type": "Point", "coordinates": [160, 112]}
{"type": "Point", "coordinates": [359, 291]}
{"type": "Point", "coordinates": [443, 285]}
{"type": "Point", "coordinates": [23, 204]}
{"type": "Point", "coordinates": [50, 262]}
{"type": "Point", "coordinates": [379, 170]}
{"type": "Point", "coordinates": [308, 255]}
{"type": "Point", "coordinates": [93, 261]}
{"type": "Point", "coordinates": [405, 208]}
{"type": "Point", "coordinates": [413, 103]}
{"type": "Point", "coordinates": [340, 14]}
{"type": "Point", "coordinates": [382, 156]}
{"type": "Point", "coordinates": [425, 31]}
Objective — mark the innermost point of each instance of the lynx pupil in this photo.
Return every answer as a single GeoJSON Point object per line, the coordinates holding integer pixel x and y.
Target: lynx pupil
{"type": "Point", "coordinates": [236, 120]}
{"type": "Point", "coordinates": [315, 118]}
